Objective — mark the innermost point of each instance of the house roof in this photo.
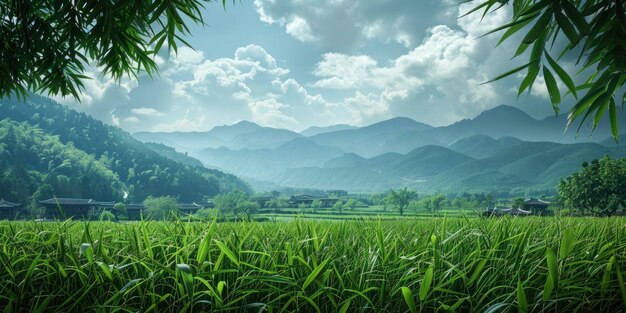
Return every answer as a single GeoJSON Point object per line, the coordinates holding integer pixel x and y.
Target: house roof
{"type": "Point", "coordinates": [68, 201]}
{"type": "Point", "coordinates": [7, 204]}
{"type": "Point", "coordinates": [533, 201]}
{"type": "Point", "coordinates": [189, 206]}
{"type": "Point", "coordinates": [135, 206]}
{"type": "Point", "coordinates": [104, 204]}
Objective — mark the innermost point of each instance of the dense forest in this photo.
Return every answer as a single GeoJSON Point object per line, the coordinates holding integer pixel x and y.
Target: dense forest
{"type": "Point", "coordinates": [49, 149]}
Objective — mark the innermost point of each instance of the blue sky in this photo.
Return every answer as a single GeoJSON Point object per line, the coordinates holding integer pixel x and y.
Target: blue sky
{"type": "Point", "coordinates": [294, 64]}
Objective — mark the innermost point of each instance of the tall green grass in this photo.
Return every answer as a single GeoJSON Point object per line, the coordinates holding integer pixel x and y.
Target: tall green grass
{"type": "Point", "coordinates": [436, 264]}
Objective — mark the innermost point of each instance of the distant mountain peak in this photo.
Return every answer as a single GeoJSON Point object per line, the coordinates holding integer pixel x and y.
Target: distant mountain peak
{"type": "Point", "coordinates": [316, 130]}
{"type": "Point", "coordinates": [401, 122]}
{"type": "Point", "coordinates": [504, 111]}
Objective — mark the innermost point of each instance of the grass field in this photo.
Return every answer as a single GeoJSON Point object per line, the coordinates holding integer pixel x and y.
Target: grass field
{"type": "Point", "coordinates": [412, 265]}
{"type": "Point", "coordinates": [362, 213]}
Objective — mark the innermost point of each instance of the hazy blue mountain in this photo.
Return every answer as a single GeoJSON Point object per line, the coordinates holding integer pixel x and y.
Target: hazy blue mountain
{"type": "Point", "coordinates": [228, 132]}
{"type": "Point", "coordinates": [370, 140]}
{"type": "Point", "coordinates": [316, 130]}
{"type": "Point", "coordinates": [610, 141]}
{"type": "Point", "coordinates": [515, 168]}
{"type": "Point", "coordinates": [510, 121]}
{"type": "Point", "coordinates": [264, 137]}
{"type": "Point", "coordinates": [526, 165]}
{"type": "Point", "coordinates": [482, 146]}
{"type": "Point", "coordinates": [380, 173]}
{"type": "Point", "coordinates": [242, 135]}
{"type": "Point", "coordinates": [346, 160]}
{"type": "Point", "coordinates": [172, 154]}
{"type": "Point", "coordinates": [264, 163]}
{"type": "Point", "coordinates": [183, 141]}
{"type": "Point", "coordinates": [501, 149]}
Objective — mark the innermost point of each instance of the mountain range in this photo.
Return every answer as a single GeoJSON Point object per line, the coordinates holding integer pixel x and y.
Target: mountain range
{"type": "Point", "coordinates": [48, 150]}
{"type": "Point", "coordinates": [503, 150]}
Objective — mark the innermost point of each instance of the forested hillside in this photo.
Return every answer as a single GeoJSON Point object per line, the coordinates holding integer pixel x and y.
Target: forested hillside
{"type": "Point", "coordinates": [142, 171]}
{"type": "Point", "coordinates": [34, 166]}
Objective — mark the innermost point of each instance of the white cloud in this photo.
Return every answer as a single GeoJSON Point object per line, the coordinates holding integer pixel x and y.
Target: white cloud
{"type": "Point", "coordinates": [369, 60]}
{"type": "Point", "coordinates": [446, 71]}
{"type": "Point", "coordinates": [341, 24]}
{"type": "Point", "coordinates": [131, 119]}
{"type": "Point", "coordinates": [299, 28]}
{"type": "Point", "coordinates": [147, 112]}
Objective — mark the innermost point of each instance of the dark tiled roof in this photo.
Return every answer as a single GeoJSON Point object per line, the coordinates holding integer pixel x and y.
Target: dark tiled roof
{"type": "Point", "coordinates": [69, 201]}
{"type": "Point", "coordinates": [536, 202]}
{"type": "Point", "coordinates": [188, 206]}
{"type": "Point", "coordinates": [135, 206]}
{"type": "Point", "coordinates": [7, 204]}
{"type": "Point", "coordinates": [104, 204]}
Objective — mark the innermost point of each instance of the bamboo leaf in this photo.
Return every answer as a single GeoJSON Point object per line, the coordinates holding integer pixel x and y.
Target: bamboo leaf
{"type": "Point", "coordinates": [553, 89]}
{"type": "Point", "coordinates": [426, 283]}
{"type": "Point", "coordinates": [566, 243]}
{"type": "Point", "coordinates": [229, 253]}
{"type": "Point", "coordinates": [314, 274]}
{"type": "Point", "coordinates": [565, 78]}
{"type": "Point", "coordinates": [511, 72]}
{"type": "Point", "coordinates": [408, 298]}
{"type": "Point", "coordinates": [539, 28]}
{"type": "Point", "coordinates": [522, 303]}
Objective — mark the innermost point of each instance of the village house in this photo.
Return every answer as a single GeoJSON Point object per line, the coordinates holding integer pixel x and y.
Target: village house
{"type": "Point", "coordinates": [9, 210]}
{"type": "Point", "coordinates": [537, 206]}
{"type": "Point", "coordinates": [62, 208]}
{"type": "Point", "coordinates": [295, 201]}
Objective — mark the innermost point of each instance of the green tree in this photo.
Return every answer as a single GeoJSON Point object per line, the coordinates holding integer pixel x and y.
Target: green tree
{"type": "Point", "coordinates": [351, 203]}
{"type": "Point", "coordinates": [595, 32]}
{"type": "Point", "coordinates": [248, 208]}
{"type": "Point", "coordinates": [598, 188]}
{"type": "Point", "coordinates": [44, 45]}
{"type": "Point", "coordinates": [119, 209]}
{"type": "Point", "coordinates": [518, 203]}
{"type": "Point", "coordinates": [161, 208]}
{"type": "Point", "coordinates": [401, 198]}
{"type": "Point", "coordinates": [107, 216]}
{"type": "Point", "coordinates": [338, 206]}
{"type": "Point", "coordinates": [277, 203]}
{"type": "Point", "coordinates": [316, 205]}
{"type": "Point", "coordinates": [425, 203]}
{"type": "Point", "coordinates": [437, 202]}
{"type": "Point", "coordinates": [228, 202]}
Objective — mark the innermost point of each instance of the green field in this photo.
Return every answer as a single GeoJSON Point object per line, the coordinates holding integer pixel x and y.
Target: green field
{"type": "Point", "coordinates": [412, 264]}
{"type": "Point", "coordinates": [361, 213]}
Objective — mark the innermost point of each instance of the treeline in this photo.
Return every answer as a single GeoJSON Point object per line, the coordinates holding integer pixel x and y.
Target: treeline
{"type": "Point", "coordinates": [142, 171]}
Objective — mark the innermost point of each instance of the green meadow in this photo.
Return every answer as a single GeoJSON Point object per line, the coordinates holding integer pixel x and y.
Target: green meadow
{"type": "Point", "coordinates": [413, 264]}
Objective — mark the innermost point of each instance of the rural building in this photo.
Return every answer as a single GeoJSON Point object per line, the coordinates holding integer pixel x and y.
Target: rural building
{"type": "Point", "coordinates": [63, 208]}
{"type": "Point", "coordinates": [9, 210]}
{"type": "Point", "coordinates": [537, 206]}
{"type": "Point", "coordinates": [295, 201]}
{"type": "Point", "coordinates": [188, 208]}
{"type": "Point", "coordinates": [501, 211]}
{"type": "Point", "coordinates": [134, 211]}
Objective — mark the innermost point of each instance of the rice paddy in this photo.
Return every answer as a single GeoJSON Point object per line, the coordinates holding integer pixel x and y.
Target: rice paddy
{"type": "Point", "coordinates": [408, 265]}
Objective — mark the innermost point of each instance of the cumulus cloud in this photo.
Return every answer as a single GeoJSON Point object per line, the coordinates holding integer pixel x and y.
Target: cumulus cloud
{"type": "Point", "coordinates": [446, 70]}
{"type": "Point", "coordinates": [342, 24]}
{"type": "Point", "coordinates": [299, 28]}
{"type": "Point", "coordinates": [368, 60]}
{"type": "Point", "coordinates": [147, 112]}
